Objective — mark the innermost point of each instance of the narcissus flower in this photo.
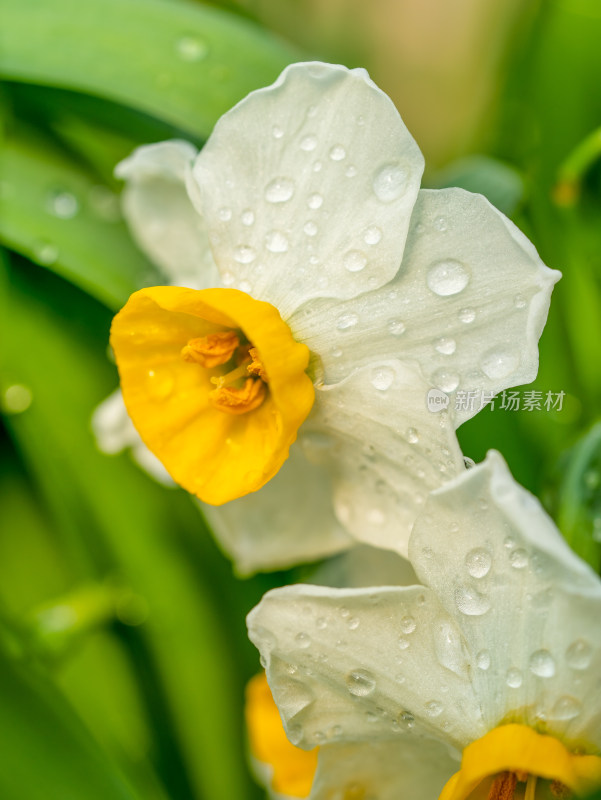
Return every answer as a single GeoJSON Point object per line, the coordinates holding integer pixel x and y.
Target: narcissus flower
{"type": "Point", "coordinates": [320, 296]}
{"type": "Point", "coordinates": [497, 656]}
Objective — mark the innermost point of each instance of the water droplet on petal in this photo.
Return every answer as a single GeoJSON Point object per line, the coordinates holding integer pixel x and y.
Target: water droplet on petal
{"type": "Point", "coordinates": [346, 321]}
{"type": "Point", "coordinates": [396, 327]}
{"type": "Point", "coordinates": [513, 678]}
{"type": "Point", "coordinates": [372, 235]}
{"type": "Point", "coordinates": [191, 48]}
{"type": "Point", "coordinates": [360, 682]}
{"type": "Point", "coordinates": [566, 707]}
{"type": "Point", "coordinates": [445, 345]}
{"type": "Point", "coordinates": [228, 278]}
{"type": "Point", "coordinates": [412, 435]}
{"type": "Point", "coordinates": [303, 640]}
{"type": "Point", "coordinates": [579, 654]}
{"type": "Point", "coordinates": [382, 378]}
{"type": "Point", "coordinates": [225, 214]}
{"type": "Point", "coordinates": [354, 260]}
{"type": "Point", "coordinates": [448, 277]}
{"type": "Point", "coordinates": [467, 315]}
{"type": "Point", "coordinates": [337, 153]}
{"type": "Point", "coordinates": [518, 559]}
{"type": "Point", "coordinates": [248, 217]}
{"type": "Point", "coordinates": [483, 660]}
{"type": "Point", "coordinates": [440, 224]}
{"type": "Point", "coordinates": [470, 602]}
{"type": "Point", "coordinates": [308, 143]}
{"type": "Point", "coordinates": [434, 708]}
{"type": "Point", "coordinates": [244, 254]}
{"type": "Point", "coordinates": [315, 201]}
{"type": "Point", "coordinates": [444, 380]}
{"type": "Point", "coordinates": [310, 228]}
{"type": "Point", "coordinates": [353, 623]}
{"type": "Point", "coordinates": [542, 664]}
{"type": "Point", "coordinates": [408, 624]}
{"type": "Point", "coordinates": [478, 562]}
{"type": "Point", "coordinates": [276, 242]}
{"type": "Point", "coordinates": [351, 171]}
{"type": "Point", "coordinates": [448, 647]}
{"type": "Point", "coordinates": [519, 301]}
{"type": "Point", "coordinates": [277, 132]}
{"type": "Point", "coordinates": [279, 190]}
{"type": "Point", "coordinates": [499, 364]}
{"type": "Point", "coordinates": [390, 183]}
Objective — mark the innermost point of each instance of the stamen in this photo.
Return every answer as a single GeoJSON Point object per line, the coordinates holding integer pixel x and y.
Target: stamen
{"type": "Point", "coordinates": [230, 377]}
{"type": "Point", "coordinates": [530, 792]}
{"type": "Point", "coordinates": [239, 401]}
{"type": "Point", "coordinates": [503, 787]}
{"type": "Point", "coordinates": [212, 350]}
{"type": "Point", "coordinates": [256, 367]}
{"type": "Point", "coordinates": [560, 791]}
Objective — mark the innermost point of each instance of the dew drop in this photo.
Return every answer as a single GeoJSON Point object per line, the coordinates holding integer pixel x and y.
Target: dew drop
{"type": "Point", "coordinates": [303, 640]}
{"type": "Point", "coordinates": [412, 435]}
{"type": "Point", "coordinates": [63, 205]}
{"type": "Point", "coordinates": [444, 380]}
{"type": "Point", "coordinates": [382, 378]}
{"type": "Point", "coordinates": [408, 624]}
{"type": "Point", "coordinates": [396, 327]}
{"type": "Point", "coordinates": [372, 235]}
{"type": "Point", "coordinates": [279, 190]}
{"type": "Point", "coordinates": [448, 647]}
{"type": "Point", "coordinates": [277, 132]}
{"type": "Point", "coordinates": [470, 602]}
{"type": "Point", "coordinates": [542, 664]}
{"type": "Point", "coordinates": [403, 643]}
{"type": "Point", "coordinates": [308, 143]}
{"type": "Point", "coordinates": [315, 201]}
{"type": "Point", "coordinates": [248, 217]}
{"type": "Point", "coordinates": [579, 654]}
{"type": "Point", "coordinates": [467, 315]}
{"type": "Point", "coordinates": [448, 277]}
{"type": "Point", "coordinates": [346, 321]}
{"type": "Point", "coordinates": [276, 242]}
{"type": "Point", "coordinates": [513, 679]}
{"type": "Point", "coordinates": [566, 707]}
{"type": "Point", "coordinates": [354, 260]}
{"type": "Point", "coordinates": [16, 399]}
{"type": "Point", "coordinates": [317, 166]}
{"type": "Point", "coordinates": [360, 682]}
{"type": "Point", "coordinates": [310, 228]}
{"type": "Point", "coordinates": [225, 214]}
{"type": "Point", "coordinates": [353, 623]}
{"type": "Point", "coordinates": [434, 708]}
{"type": "Point", "coordinates": [191, 48]}
{"type": "Point", "coordinates": [244, 254]}
{"type": "Point", "coordinates": [483, 660]}
{"type": "Point", "coordinates": [519, 301]}
{"type": "Point", "coordinates": [518, 559]}
{"type": "Point", "coordinates": [228, 278]}
{"type": "Point", "coordinates": [337, 153]}
{"type": "Point", "coordinates": [478, 562]}
{"type": "Point", "coordinates": [351, 171]}
{"type": "Point", "coordinates": [499, 364]}
{"type": "Point", "coordinates": [390, 183]}
{"type": "Point", "coordinates": [445, 345]}
{"type": "Point", "coordinates": [440, 224]}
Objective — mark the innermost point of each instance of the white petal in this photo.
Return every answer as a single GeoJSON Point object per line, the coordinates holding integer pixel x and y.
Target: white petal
{"type": "Point", "coordinates": [161, 216]}
{"type": "Point", "coordinates": [386, 450]}
{"type": "Point", "coordinates": [354, 664]}
{"type": "Point", "coordinates": [300, 179]}
{"type": "Point", "coordinates": [530, 610]}
{"type": "Point", "coordinates": [409, 767]}
{"type": "Point", "coordinates": [288, 521]}
{"type": "Point", "coordinates": [469, 303]}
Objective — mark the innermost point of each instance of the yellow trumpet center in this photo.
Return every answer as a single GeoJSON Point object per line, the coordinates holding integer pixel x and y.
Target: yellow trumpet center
{"type": "Point", "coordinates": [514, 762]}
{"type": "Point", "coordinates": [292, 769]}
{"type": "Point", "coordinates": [215, 385]}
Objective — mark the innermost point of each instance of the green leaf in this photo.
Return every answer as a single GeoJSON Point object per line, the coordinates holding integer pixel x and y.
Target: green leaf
{"type": "Point", "coordinates": [579, 516]}
{"type": "Point", "coordinates": [181, 62]}
{"type": "Point", "coordinates": [47, 754]}
{"type": "Point", "coordinates": [58, 215]}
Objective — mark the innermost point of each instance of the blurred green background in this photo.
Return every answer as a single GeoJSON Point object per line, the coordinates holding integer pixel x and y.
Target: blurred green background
{"type": "Point", "coordinates": [123, 651]}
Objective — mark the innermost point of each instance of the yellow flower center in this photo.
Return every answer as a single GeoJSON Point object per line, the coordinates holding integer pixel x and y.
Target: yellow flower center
{"type": "Point", "coordinates": [215, 385]}
{"type": "Point", "coordinates": [293, 769]}
{"type": "Point", "coordinates": [514, 762]}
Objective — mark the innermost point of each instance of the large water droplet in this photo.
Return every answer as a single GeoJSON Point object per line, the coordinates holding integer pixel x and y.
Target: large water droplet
{"type": "Point", "coordinates": [346, 321]}
{"type": "Point", "coordinates": [382, 378]}
{"type": "Point", "coordinates": [499, 364]}
{"type": "Point", "coordinates": [372, 235]}
{"type": "Point", "coordinates": [446, 346]}
{"type": "Point", "coordinates": [244, 254]}
{"type": "Point", "coordinates": [445, 380]}
{"type": "Point", "coordinates": [390, 182]}
{"type": "Point", "coordinates": [448, 647]}
{"type": "Point", "coordinates": [566, 707]}
{"type": "Point", "coordinates": [470, 602]}
{"type": "Point", "coordinates": [542, 664]}
{"type": "Point", "coordinates": [579, 654]}
{"type": "Point", "coordinates": [63, 204]}
{"type": "Point", "coordinates": [513, 679]}
{"type": "Point", "coordinates": [279, 190]}
{"type": "Point", "coordinates": [303, 640]}
{"type": "Point", "coordinates": [478, 562]}
{"type": "Point", "coordinates": [276, 242]}
{"type": "Point", "coordinates": [354, 260]}
{"type": "Point", "coordinates": [315, 201]}
{"type": "Point", "coordinates": [360, 682]}
{"type": "Point", "coordinates": [191, 48]}
{"type": "Point", "coordinates": [337, 153]}
{"type": "Point", "coordinates": [447, 277]}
